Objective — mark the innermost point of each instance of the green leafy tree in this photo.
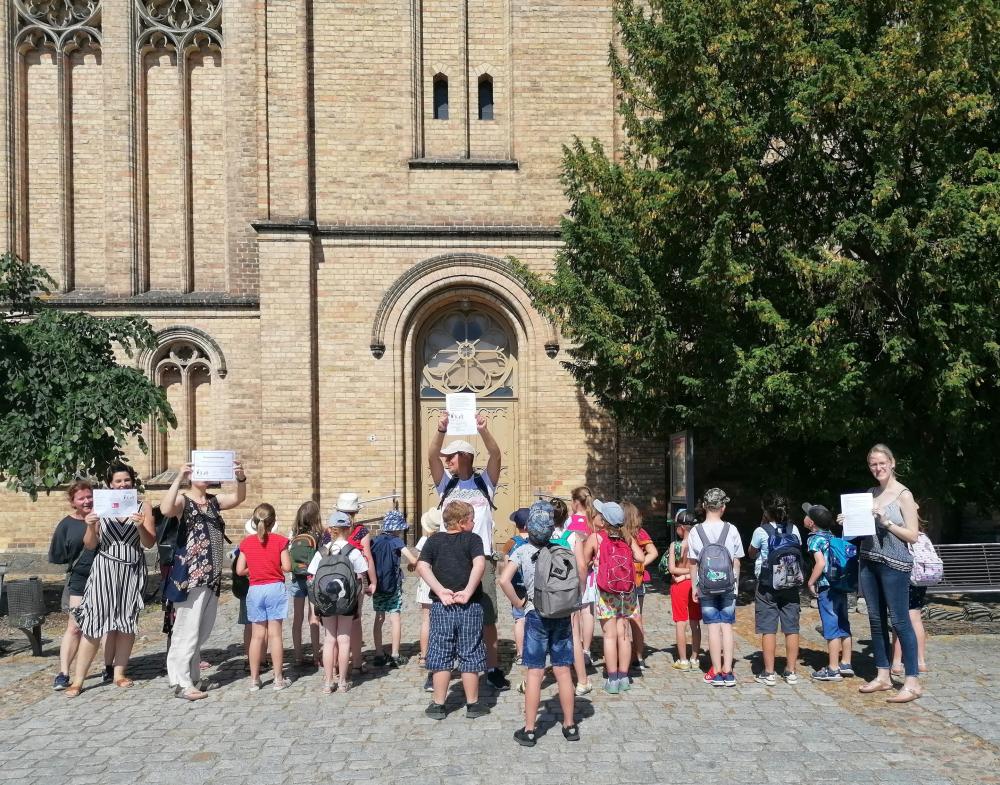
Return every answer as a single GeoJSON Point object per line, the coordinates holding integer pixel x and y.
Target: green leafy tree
{"type": "Point", "coordinates": [66, 406]}
{"type": "Point", "coordinates": [796, 252]}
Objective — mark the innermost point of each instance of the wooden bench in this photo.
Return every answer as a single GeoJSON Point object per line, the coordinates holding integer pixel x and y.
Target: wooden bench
{"type": "Point", "coordinates": [969, 568]}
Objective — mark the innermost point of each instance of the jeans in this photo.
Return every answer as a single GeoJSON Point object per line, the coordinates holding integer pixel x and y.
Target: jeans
{"type": "Point", "coordinates": [887, 592]}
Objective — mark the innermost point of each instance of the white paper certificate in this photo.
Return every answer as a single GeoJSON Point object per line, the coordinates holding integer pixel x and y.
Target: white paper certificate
{"type": "Point", "coordinates": [213, 465]}
{"type": "Point", "coordinates": [116, 504]}
{"type": "Point", "coordinates": [858, 518]}
{"type": "Point", "coordinates": [461, 414]}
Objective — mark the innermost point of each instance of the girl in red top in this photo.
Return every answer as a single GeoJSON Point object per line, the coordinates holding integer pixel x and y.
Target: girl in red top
{"type": "Point", "coordinates": [264, 557]}
{"type": "Point", "coordinates": [633, 530]}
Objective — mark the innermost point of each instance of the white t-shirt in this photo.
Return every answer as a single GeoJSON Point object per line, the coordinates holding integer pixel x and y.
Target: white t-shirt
{"type": "Point", "coordinates": [356, 557]}
{"type": "Point", "coordinates": [712, 533]}
{"type": "Point", "coordinates": [467, 491]}
{"type": "Point", "coordinates": [759, 541]}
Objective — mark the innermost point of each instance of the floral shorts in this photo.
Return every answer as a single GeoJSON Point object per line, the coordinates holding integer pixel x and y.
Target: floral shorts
{"type": "Point", "coordinates": [616, 606]}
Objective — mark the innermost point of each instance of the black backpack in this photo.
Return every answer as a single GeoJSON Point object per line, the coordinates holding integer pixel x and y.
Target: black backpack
{"type": "Point", "coordinates": [335, 588]}
{"type": "Point", "coordinates": [477, 478]}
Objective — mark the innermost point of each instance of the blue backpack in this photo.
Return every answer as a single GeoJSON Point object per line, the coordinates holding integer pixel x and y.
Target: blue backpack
{"type": "Point", "coordinates": [388, 575]}
{"type": "Point", "coordinates": [841, 564]}
{"type": "Point", "coordinates": [783, 567]}
{"type": "Point", "coordinates": [518, 582]}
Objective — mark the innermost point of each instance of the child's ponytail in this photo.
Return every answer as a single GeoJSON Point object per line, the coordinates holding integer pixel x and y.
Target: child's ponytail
{"type": "Point", "coordinates": [263, 518]}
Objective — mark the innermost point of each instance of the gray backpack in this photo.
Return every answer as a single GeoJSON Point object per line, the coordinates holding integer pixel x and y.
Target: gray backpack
{"type": "Point", "coordinates": [715, 564]}
{"type": "Point", "coordinates": [557, 583]}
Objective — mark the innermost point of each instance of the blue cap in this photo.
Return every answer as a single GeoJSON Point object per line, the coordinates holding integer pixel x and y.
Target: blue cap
{"type": "Point", "coordinates": [339, 519]}
{"type": "Point", "coordinates": [394, 522]}
{"type": "Point", "coordinates": [612, 512]}
{"type": "Point", "coordinates": [520, 517]}
{"type": "Point", "coordinates": [540, 525]}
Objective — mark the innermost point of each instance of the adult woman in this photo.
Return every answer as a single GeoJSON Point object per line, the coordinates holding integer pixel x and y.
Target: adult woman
{"type": "Point", "coordinates": [202, 549]}
{"type": "Point", "coordinates": [113, 596]}
{"type": "Point", "coordinates": [67, 548]}
{"type": "Point", "coordinates": [885, 565]}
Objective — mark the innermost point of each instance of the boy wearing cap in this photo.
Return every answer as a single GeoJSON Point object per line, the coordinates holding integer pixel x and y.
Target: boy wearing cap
{"type": "Point", "coordinates": [453, 472]}
{"type": "Point", "coordinates": [832, 603]}
{"type": "Point", "coordinates": [387, 548]}
{"type": "Point", "coordinates": [452, 563]}
{"type": "Point", "coordinates": [543, 637]}
{"type": "Point", "coordinates": [520, 520]}
{"type": "Point", "coordinates": [718, 611]}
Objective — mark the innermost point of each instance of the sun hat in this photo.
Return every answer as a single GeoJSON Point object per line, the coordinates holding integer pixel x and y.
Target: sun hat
{"type": "Point", "coordinates": [612, 512]}
{"type": "Point", "coordinates": [431, 521]}
{"type": "Point", "coordinates": [348, 502]}
{"type": "Point", "coordinates": [459, 445]}
{"type": "Point", "coordinates": [339, 519]}
{"type": "Point", "coordinates": [394, 522]}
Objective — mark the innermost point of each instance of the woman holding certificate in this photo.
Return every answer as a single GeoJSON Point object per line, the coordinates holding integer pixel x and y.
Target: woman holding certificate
{"type": "Point", "coordinates": [200, 556]}
{"type": "Point", "coordinates": [885, 566]}
{"type": "Point", "coordinates": [113, 596]}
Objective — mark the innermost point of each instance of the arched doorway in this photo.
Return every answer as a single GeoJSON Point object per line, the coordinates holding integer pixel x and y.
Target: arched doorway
{"type": "Point", "coordinates": [471, 348]}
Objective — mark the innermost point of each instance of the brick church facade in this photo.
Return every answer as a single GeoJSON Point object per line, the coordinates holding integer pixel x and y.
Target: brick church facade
{"type": "Point", "coordinates": [314, 203]}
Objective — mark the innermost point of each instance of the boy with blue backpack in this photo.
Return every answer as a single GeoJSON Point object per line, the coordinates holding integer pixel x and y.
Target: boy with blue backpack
{"type": "Point", "coordinates": [834, 574]}
{"type": "Point", "coordinates": [777, 547]}
{"type": "Point", "coordinates": [387, 548]}
{"type": "Point", "coordinates": [520, 520]}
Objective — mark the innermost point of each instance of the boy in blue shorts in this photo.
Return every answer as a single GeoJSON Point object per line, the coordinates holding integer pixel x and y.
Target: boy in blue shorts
{"type": "Point", "coordinates": [452, 564]}
{"type": "Point", "coordinates": [543, 637]}
{"type": "Point", "coordinates": [832, 603]}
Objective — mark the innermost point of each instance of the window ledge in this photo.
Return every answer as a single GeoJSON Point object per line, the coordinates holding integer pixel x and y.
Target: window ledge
{"type": "Point", "coordinates": [463, 163]}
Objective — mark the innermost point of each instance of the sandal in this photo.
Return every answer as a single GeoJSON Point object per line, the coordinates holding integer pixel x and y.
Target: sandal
{"type": "Point", "coordinates": [874, 686]}
{"type": "Point", "coordinates": [905, 695]}
{"type": "Point", "coordinates": [124, 682]}
{"type": "Point", "coordinates": [344, 686]}
{"type": "Point", "coordinates": [897, 672]}
{"type": "Point", "coordinates": [191, 694]}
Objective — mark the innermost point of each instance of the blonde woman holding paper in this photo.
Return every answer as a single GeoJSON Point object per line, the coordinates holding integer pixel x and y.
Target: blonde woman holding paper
{"type": "Point", "coordinates": [885, 566]}
{"type": "Point", "coordinates": [112, 599]}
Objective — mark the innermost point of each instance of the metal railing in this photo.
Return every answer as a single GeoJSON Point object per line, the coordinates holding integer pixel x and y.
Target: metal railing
{"type": "Point", "coordinates": [969, 568]}
{"type": "Point", "coordinates": [372, 511]}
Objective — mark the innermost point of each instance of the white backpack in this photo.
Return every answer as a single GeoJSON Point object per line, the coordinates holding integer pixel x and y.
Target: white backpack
{"type": "Point", "coordinates": [928, 569]}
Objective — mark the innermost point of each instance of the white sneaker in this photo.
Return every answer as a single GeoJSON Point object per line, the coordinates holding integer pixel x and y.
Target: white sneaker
{"type": "Point", "coordinates": [790, 677]}
{"type": "Point", "coordinates": [681, 665]}
{"type": "Point", "coordinates": [584, 689]}
{"type": "Point", "coordinates": [281, 683]}
{"type": "Point", "coordinates": [255, 685]}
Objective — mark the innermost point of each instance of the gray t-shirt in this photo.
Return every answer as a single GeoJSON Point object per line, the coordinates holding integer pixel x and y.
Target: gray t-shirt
{"type": "Point", "coordinates": [522, 558]}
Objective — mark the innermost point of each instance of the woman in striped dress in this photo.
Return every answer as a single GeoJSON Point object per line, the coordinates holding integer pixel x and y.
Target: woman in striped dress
{"type": "Point", "coordinates": [113, 597]}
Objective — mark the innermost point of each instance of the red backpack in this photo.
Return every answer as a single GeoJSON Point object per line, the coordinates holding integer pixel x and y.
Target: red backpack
{"type": "Point", "coordinates": [615, 566]}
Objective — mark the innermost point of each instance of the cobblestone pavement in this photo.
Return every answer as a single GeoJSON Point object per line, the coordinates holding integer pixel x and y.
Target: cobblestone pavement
{"type": "Point", "coordinates": [670, 728]}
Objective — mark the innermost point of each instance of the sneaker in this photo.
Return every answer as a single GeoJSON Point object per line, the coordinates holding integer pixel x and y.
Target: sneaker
{"type": "Point", "coordinates": [571, 732]}
{"type": "Point", "coordinates": [60, 682]}
{"type": "Point", "coordinates": [109, 674]}
{"type": "Point", "coordinates": [790, 677]}
{"type": "Point", "coordinates": [862, 606]}
{"type": "Point", "coordinates": [767, 679]}
{"type": "Point", "coordinates": [584, 689]}
{"type": "Point", "coordinates": [429, 683]}
{"type": "Point", "coordinates": [639, 665]}
{"type": "Point", "coordinates": [436, 711]}
{"type": "Point", "coordinates": [730, 679]}
{"type": "Point", "coordinates": [526, 738]}
{"type": "Point", "coordinates": [518, 661]}
{"type": "Point", "coordinates": [681, 665]}
{"type": "Point", "coordinates": [281, 684]}
{"type": "Point", "coordinates": [255, 685]}
{"type": "Point", "coordinates": [497, 680]}
{"type": "Point", "coordinates": [624, 684]}
{"type": "Point", "coordinates": [719, 680]}
{"type": "Point", "coordinates": [611, 686]}
{"type": "Point", "coordinates": [396, 661]}
{"type": "Point", "coordinates": [473, 710]}
{"type": "Point", "coordinates": [710, 676]}
{"type": "Point", "coordinates": [380, 661]}
{"type": "Point", "coordinates": [827, 674]}
{"type": "Point", "coordinates": [846, 669]}
{"type": "Point", "coordinates": [521, 687]}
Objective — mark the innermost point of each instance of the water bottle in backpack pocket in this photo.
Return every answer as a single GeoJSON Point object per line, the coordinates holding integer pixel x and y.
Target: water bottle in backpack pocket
{"type": "Point", "coordinates": [928, 569]}
{"type": "Point", "coordinates": [783, 567]}
{"type": "Point", "coordinates": [715, 564]}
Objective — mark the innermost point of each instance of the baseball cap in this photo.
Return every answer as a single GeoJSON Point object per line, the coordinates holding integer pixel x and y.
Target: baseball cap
{"type": "Point", "coordinates": [821, 516]}
{"type": "Point", "coordinates": [520, 517]}
{"type": "Point", "coordinates": [394, 522]}
{"type": "Point", "coordinates": [612, 512]}
{"type": "Point", "coordinates": [540, 525]}
{"type": "Point", "coordinates": [459, 445]}
{"type": "Point", "coordinates": [339, 519]}
{"type": "Point", "coordinates": [715, 498]}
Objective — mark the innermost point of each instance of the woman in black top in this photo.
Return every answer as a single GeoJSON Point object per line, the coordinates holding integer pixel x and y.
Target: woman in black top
{"type": "Point", "coordinates": [67, 548]}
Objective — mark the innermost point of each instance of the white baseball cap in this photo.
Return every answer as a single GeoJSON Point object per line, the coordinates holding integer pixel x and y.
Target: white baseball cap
{"type": "Point", "coordinates": [458, 446]}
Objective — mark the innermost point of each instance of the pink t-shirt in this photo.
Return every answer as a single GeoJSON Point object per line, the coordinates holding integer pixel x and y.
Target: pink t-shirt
{"type": "Point", "coordinates": [578, 523]}
{"type": "Point", "coordinates": [264, 561]}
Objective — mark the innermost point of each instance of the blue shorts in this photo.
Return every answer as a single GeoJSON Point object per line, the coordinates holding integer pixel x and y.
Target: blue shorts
{"type": "Point", "coordinates": [718, 608]}
{"type": "Point", "coordinates": [456, 633]}
{"type": "Point", "coordinates": [267, 602]}
{"type": "Point", "coordinates": [298, 587]}
{"type": "Point", "coordinates": [517, 613]}
{"type": "Point", "coordinates": [552, 637]}
{"type": "Point", "coordinates": [832, 606]}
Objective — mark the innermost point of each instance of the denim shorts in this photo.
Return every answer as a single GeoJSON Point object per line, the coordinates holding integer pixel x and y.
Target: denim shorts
{"type": "Point", "coordinates": [517, 613]}
{"type": "Point", "coordinates": [772, 608]}
{"type": "Point", "coordinates": [298, 587]}
{"type": "Point", "coordinates": [832, 606]}
{"type": "Point", "coordinates": [267, 602]}
{"type": "Point", "coordinates": [552, 637]}
{"type": "Point", "coordinates": [718, 608]}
